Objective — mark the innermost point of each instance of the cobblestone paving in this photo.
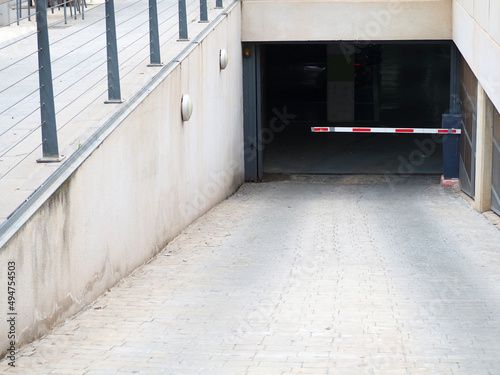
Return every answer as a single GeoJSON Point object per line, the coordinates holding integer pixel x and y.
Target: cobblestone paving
{"type": "Point", "coordinates": [305, 275]}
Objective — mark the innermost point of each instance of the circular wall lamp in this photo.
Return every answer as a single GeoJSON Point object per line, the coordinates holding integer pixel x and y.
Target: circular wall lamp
{"type": "Point", "coordinates": [223, 59]}
{"type": "Point", "coordinates": [186, 107]}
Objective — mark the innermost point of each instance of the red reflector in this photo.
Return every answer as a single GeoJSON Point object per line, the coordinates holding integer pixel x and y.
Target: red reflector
{"type": "Point", "coordinates": [404, 130]}
{"type": "Point", "coordinates": [321, 129]}
{"type": "Point", "coordinates": [443, 131]}
{"type": "Point", "coordinates": [361, 130]}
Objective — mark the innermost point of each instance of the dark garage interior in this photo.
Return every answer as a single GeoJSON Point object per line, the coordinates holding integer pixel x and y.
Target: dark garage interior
{"type": "Point", "coordinates": [388, 85]}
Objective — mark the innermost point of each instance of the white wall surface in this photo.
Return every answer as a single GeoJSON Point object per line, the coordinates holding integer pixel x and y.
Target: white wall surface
{"type": "Point", "coordinates": [486, 13]}
{"type": "Point", "coordinates": [285, 20]}
{"type": "Point", "coordinates": [151, 177]}
{"type": "Point", "coordinates": [476, 32]}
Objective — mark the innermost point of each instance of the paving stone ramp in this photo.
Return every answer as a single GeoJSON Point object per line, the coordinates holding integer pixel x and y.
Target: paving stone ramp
{"type": "Point", "coordinates": [303, 275]}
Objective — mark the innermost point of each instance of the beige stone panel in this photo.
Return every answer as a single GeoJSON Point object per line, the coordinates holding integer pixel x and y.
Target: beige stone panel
{"type": "Point", "coordinates": [345, 20]}
{"type": "Point", "coordinates": [480, 51]}
{"type": "Point", "coordinates": [469, 6]}
{"type": "Point", "coordinates": [481, 13]}
{"type": "Point", "coordinates": [494, 23]}
{"type": "Point", "coordinates": [484, 143]}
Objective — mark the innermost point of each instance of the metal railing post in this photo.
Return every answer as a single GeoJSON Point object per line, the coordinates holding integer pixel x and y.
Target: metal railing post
{"type": "Point", "coordinates": [18, 10]}
{"type": "Point", "coordinates": [218, 4]}
{"type": "Point", "coordinates": [65, 12]}
{"type": "Point", "coordinates": [183, 31]}
{"type": "Point", "coordinates": [47, 109]}
{"type": "Point", "coordinates": [203, 11]}
{"type": "Point", "coordinates": [114, 95]}
{"type": "Point", "coordinates": [154, 37]}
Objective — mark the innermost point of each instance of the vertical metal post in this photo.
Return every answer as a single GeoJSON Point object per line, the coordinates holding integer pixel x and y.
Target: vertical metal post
{"type": "Point", "coordinates": [455, 107]}
{"type": "Point", "coordinates": [183, 30]}
{"type": "Point", "coordinates": [451, 145]}
{"type": "Point", "coordinates": [77, 6]}
{"type": "Point", "coordinates": [18, 10]}
{"type": "Point", "coordinates": [114, 95]}
{"type": "Point", "coordinates": [203, 11]}
{"type": "Point", "coordinates": [154, 36]}
{"type": "Point", "coordinates": [218, 4]}
{"type": "Point", "coordinates": [252, 116]}
{"type": "Point", "coordinates": [65, 12]}
{"type": "Point", "coordinates": [453, 120]}
{"type": "Point", "coordinates": [47, 110]}
{"type": "Point", "coordinates": [29, 10]}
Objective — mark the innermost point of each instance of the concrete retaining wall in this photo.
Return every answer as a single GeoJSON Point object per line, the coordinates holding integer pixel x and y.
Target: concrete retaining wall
{"type": "Point", "coordinates": [149, 179]}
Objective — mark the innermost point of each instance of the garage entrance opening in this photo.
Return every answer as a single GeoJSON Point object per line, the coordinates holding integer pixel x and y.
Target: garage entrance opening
{"type": "Point", "coordinates": [369, 85]}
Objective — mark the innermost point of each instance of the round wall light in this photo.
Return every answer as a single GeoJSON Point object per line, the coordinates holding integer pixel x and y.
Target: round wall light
{"type": "Point", "coordinates": [186, 107]}
{"type": "Point", "coordinates": [223, 59]}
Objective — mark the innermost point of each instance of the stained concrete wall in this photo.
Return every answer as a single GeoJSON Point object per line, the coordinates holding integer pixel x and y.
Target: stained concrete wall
{"type": "Point", "coordinates": [288, 20]}
{"type": "Point", "coordinates": [149, 179]}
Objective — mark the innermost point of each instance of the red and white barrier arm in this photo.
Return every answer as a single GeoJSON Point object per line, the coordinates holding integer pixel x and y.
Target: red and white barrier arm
{"type": "Point", "coordinates": [384, 130]}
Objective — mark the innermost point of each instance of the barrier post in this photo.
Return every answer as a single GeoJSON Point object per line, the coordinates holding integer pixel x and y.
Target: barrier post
{"type": "Point", "coordinates": [183, 31]}
{"type": "Point", "coordinates": [114, 94]}
{"type": "Point", "coordinates": [50, 148]}
{"type": "Point", "coordinates": [154, 38]}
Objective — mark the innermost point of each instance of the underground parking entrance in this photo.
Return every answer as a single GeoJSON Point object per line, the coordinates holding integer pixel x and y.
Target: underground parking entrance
{"type": "Point", "coordinates": [346, 108]}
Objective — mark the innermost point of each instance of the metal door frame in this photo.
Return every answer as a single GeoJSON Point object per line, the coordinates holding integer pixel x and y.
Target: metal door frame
{"type": "Point", "coordinates": [467, 183]}
{"type": "Point", "coordinates": [252, 112]}
{"type": "Point", "coordinates": [495, 190]}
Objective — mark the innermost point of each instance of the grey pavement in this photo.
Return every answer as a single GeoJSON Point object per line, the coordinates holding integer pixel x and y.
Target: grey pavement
{"type": "Point", "coordinates": [304, 275]}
